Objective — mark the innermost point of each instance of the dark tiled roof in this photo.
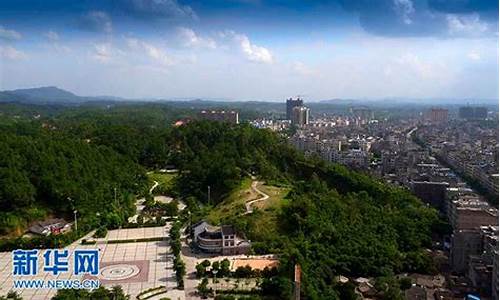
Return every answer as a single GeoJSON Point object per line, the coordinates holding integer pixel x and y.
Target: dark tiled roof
{"type": "Point", "coordinates": [227, 230]}
{"type": "Point", "coordinates": [211, 235]}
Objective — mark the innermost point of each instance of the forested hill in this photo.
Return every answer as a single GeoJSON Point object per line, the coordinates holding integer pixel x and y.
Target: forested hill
{"type": "Point", "coordinates": [333, 222]}
{"type": "Point", "coordinates": [43, 173]}
{"type": "Point", "coordinates": [336, 222]}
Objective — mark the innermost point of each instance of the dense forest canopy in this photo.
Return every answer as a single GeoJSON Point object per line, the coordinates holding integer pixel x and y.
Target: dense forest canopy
{"type": "Point", "coordinates": [42, 171]}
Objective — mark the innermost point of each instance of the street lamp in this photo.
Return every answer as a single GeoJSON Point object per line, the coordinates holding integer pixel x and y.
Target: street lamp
{"type": "Point", "coordinates": [76, 221]}
{"type": "Point", "coordinates": [215, 281]}
{"type": "Point", "coordinates": [208, 194]}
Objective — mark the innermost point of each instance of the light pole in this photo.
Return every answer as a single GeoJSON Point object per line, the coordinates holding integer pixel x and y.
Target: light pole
{"type": "Point", "coordinates": [215, 281]}
{"type": "Point", "coordinates": [208, 188]}
{"type": "Point", "coordinates": [76, 221]}
{"type": "Point", "coordinates": [74, 212]}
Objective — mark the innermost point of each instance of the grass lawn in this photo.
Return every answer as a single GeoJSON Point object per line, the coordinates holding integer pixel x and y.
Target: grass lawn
{"type": "Point", "coordinates": [276, 196]}
{"type": "Point", "coordinates": [262, 223]}
{"type": "Point", "coordinates": [234, 203]}
{"type": "Point", "coordinates": [165, 181]}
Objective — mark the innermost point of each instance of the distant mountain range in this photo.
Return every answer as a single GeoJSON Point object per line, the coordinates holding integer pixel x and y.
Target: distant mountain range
{"type": "Point", "coordinates": [49, 95]}
{"type": "Point", "coordinates": [55, 95]}
{"type": "Point", "coordinates": [40, 95]}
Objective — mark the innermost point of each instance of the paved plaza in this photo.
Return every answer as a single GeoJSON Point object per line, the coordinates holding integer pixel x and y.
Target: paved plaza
{"type": "Point", "coordinates": [134, 266]}
{"type": "Point", "coordinates": [136, 233]}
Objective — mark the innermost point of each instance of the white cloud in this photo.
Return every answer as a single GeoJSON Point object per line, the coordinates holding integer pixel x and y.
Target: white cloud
{"type": "Point", "coordinates": [8, 34]}
{"type": "Point", "coordinates": [53, 42]}
{"type": "Point", "coordinates": [190, 39]}
{"type": "Point", "coordinates": [466, 25]}
{"type": "Point", "coordinates": [251, 51]}
{"type": "Point", "coordinates": [404, 8]}
{"type": "Point", "coordinates": [97, 21]}
{"type": "Point", "coordinates": [12, 53]}
{"type": "Point", "coordinates": [474, 55]}
{"type": "Point", "coordinates": [254, 52]}
{"type": "Point", "coordinates": [162, 8]}
{"type": "Point", "coordinates": [413, 63]}
{"type": "Point", "coordinates": [51, 36]}
{"type": "Point", "coordinates": [303, 69]}
{"type": "Point", "coordinates": [103, 52]}
{"type": "Point", "coordinates": [156, 54]}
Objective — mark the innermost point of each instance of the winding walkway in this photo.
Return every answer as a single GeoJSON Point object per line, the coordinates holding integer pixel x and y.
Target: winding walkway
{"type": "Point", "coordinates": [264, 196]}
{"type": "Point", "coordinates": [153, 187]}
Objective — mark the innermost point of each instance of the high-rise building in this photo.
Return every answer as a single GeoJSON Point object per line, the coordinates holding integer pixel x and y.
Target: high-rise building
{"type": "Point", "coordinates": [220, 115]}
{"type": "Point", "coordinates": [480, 113]}
{"type": "Point", "coordinates": [437, 115]}
{"type": "Point", "coordinates": [300, 115]}
{"type": "Point", "coordinates": [362, 114]}
{"type": "Point", "coordinates": [472, 113]}
{"type": "Point", "coordinates": [290, 104]}
{"type": "Point", "coordinates": [466, 112]}
{"type": "Point", "coordinates": [433, 193]}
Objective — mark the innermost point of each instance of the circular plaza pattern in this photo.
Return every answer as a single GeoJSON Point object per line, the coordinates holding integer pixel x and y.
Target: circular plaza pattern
{"type": "Point", "coordinates": [119, 272]}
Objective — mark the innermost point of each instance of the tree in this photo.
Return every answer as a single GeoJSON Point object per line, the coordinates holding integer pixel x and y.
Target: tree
{"type": "Point", "coordinates": [203, 289]}
{"type": "Point", "coordinates": [115, 293]}
{"type": "Point", "coordinates": [243, 272]}
{"type": "Point", "coordinates": [118, 294]}
{"type": "Point", "coordinates": [201, 270]}
{"type": "Point", "coordinates": [101, 232]}
{"type": "Point", "coordinates": [11, 295]}
{"type": "Point", "coordinates": [225, 268]}
{"type": "Point", "coordinates": [206, 263]}
{"type": "Point", "coordinates": [215, 267]}
{"type": "Point", "coordinates": [405, 283]}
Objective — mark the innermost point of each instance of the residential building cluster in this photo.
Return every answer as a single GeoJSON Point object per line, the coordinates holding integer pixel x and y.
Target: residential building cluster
{"type": "Point", "coordinates": [443, 158]}
{"type": "Point", "coordinates": [220, 115]}
{"type": "Point", "coordinates": [468, 147]}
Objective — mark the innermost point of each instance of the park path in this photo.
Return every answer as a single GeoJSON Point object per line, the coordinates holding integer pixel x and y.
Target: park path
{"type": "Point", "coordinates": [139, 205]}
{"type": "Point", "coordinates": [264, 196]}
{"type": "Point", "coordinates": [153, 187]}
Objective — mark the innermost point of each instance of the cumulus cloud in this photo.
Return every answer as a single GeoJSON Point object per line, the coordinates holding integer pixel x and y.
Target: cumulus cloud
{"type": "Point", "coordinates": [474, 55]}
{"type": "Point", "coordinates": [251, 51]}
{"type": "Point", "coordinates": [412, 63]}
{"type": "Point", "coordinates": [51, 36]}
{"type": "Point", "coordinates": [404, 8]}
{"type": "Point", "coordinates": [9, 34]}
{"type": "Point", "coordinates": [11, 53]}
{"type": "Point", "coordinates": [254, 52]}
{"type": "Point", "coordinates": [160, 9]}
{"type": "Point", "coordinates": [103, 52]}
{"type": "Point", "coordinates": [423, 17]}
{"type": "Point", "coordinates": [97, 21]}
{"type": "Point", "coordinates": [157, 54]}
{"type": "Point", "coordinates": [190, 39]}
{"type": "Point", "coordinates": [53, 42]}
{"type": "Point", "coordinates": [470, 25]}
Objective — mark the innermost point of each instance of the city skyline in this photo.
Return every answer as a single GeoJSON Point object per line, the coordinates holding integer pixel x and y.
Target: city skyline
{"type": "Point", "coordinates": [253, 50]}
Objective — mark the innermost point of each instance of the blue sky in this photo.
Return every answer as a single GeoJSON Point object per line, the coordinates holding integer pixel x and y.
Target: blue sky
{"type": "Point", "coordinates": [253, 49]}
